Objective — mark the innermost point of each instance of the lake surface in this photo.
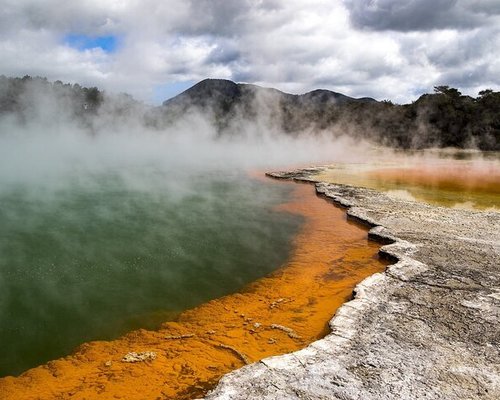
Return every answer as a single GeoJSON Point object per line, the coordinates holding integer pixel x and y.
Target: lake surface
{"type": "Point", "coordinates": [329, 256]}
{"type": "Point", "coordinates": [459, 179]}
{"type": "Point", "coordinates": [91, 256]}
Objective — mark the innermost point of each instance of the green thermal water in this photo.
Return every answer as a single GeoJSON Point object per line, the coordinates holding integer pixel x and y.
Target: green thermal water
{"type": "Point", "coordinates": [95, 255]}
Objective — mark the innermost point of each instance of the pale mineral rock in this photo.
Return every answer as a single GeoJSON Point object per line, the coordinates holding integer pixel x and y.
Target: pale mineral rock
{"type": "Point", "coordinates": [134, 357]}
{"type": "Point", "coordinates": [177, 337]}
{"type": "Point", "coordinates": [428, 327]}
{"type": "Point", "coordinates": [289, 331]}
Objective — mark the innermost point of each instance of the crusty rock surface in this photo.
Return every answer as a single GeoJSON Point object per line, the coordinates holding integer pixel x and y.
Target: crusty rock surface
{"type": "Point", "coordinates": [134, 357]}
{"type": "Point", "coordinates": [428, 327]}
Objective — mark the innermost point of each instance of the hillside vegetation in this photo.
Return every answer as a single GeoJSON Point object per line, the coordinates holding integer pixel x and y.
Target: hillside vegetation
{"type": "Point", "coordinates": [445, 118]}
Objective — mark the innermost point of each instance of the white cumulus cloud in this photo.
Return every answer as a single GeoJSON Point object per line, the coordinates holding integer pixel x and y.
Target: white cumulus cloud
{"type": "Point", "coordinates": [386, 49]}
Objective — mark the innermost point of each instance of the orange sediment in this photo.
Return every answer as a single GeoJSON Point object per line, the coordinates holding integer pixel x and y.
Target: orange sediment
{"type": "Point", "coordinates": [447, 182]}
{"type": "Point", "coordinates": [444, 177]}
{"type": "Point", "coordinates": [274, 315]}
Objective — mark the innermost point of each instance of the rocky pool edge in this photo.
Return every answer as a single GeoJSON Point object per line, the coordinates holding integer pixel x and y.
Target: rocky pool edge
{"type": "Point", "coordinates": [426, 327]}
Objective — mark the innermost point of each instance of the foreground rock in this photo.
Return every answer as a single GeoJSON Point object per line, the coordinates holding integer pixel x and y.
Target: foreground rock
{"type": "Point", "coordinates": [428, 327]}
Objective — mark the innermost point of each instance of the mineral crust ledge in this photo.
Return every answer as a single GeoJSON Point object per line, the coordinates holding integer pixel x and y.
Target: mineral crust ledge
{"type": "Point", "coordinates": [428, 327]}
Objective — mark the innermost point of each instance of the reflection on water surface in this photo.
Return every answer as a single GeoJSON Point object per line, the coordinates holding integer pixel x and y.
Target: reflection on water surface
{"type": "Point", "coordinates": [453, 179]}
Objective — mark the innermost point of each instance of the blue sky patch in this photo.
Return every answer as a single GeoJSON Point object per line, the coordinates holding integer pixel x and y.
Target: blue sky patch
{"type": "Point", "coordinates": [84, 42]}
{"type": "Point", "coordinates": [169, 90]}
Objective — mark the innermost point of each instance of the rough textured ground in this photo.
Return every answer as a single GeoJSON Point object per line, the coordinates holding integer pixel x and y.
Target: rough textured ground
{"type": "Point", "coordinates": [276, 314]}
{"type": "Point", "coordinates": [428, 327]}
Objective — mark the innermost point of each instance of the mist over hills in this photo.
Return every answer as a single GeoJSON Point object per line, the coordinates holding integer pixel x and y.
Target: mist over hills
{"type": "Point", "coordinates": [445, 118]}
{"type": "Point", "coordinates": [229, 103]}
{"type": "Point", "coordinates": [230, 94]}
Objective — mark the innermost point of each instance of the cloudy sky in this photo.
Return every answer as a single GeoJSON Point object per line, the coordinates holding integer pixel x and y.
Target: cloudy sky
{"type": "Point", "coordinates": [153, 49]}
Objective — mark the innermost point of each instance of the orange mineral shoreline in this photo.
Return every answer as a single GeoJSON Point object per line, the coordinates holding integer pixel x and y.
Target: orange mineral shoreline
{"type": "Point", "coordinates": [274, 315]}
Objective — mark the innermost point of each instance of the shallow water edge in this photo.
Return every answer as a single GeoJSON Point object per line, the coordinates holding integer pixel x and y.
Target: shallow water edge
{"type": "Point", "coordinates": [426, 327]}
{"type": "Point", "coordinates": [277, 314]}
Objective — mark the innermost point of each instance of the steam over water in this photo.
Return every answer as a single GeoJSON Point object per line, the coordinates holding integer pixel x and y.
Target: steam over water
{"type": "Point", "coordinates": [103, 233]}
{"type": "Point", "coordinates": [124, 228]}
{"type": "Point", "coordinates": [96, 255]}
{"type": "Point", "coordinates": [127, 226]}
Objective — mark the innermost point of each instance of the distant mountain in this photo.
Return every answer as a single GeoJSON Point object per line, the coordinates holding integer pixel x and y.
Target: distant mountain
{"type": "Point", "coordinates": [445, 118]}
{"type": "Point", "coordinates": [209, 91]}
{"type": "Point", "coordinates": [226, 90]}
{"type": "Point", "coordinates": [226, 102]}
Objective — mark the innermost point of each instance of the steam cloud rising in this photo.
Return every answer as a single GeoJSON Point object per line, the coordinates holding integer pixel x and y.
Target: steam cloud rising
{"type": "Point", "coordinates": [106, 220]}
{"type": "Point", "coordinates": [49, 143]}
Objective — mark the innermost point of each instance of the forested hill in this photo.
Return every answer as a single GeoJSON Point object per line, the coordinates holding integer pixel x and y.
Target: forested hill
{"type": "Point", "coordinates": [445, 118]}
{"type": "Point", "coordinates": [38, 99]}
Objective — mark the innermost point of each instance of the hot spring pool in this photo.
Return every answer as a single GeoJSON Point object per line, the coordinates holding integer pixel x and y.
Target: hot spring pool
{"type": "Point", "coordinates": [91, 256]}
